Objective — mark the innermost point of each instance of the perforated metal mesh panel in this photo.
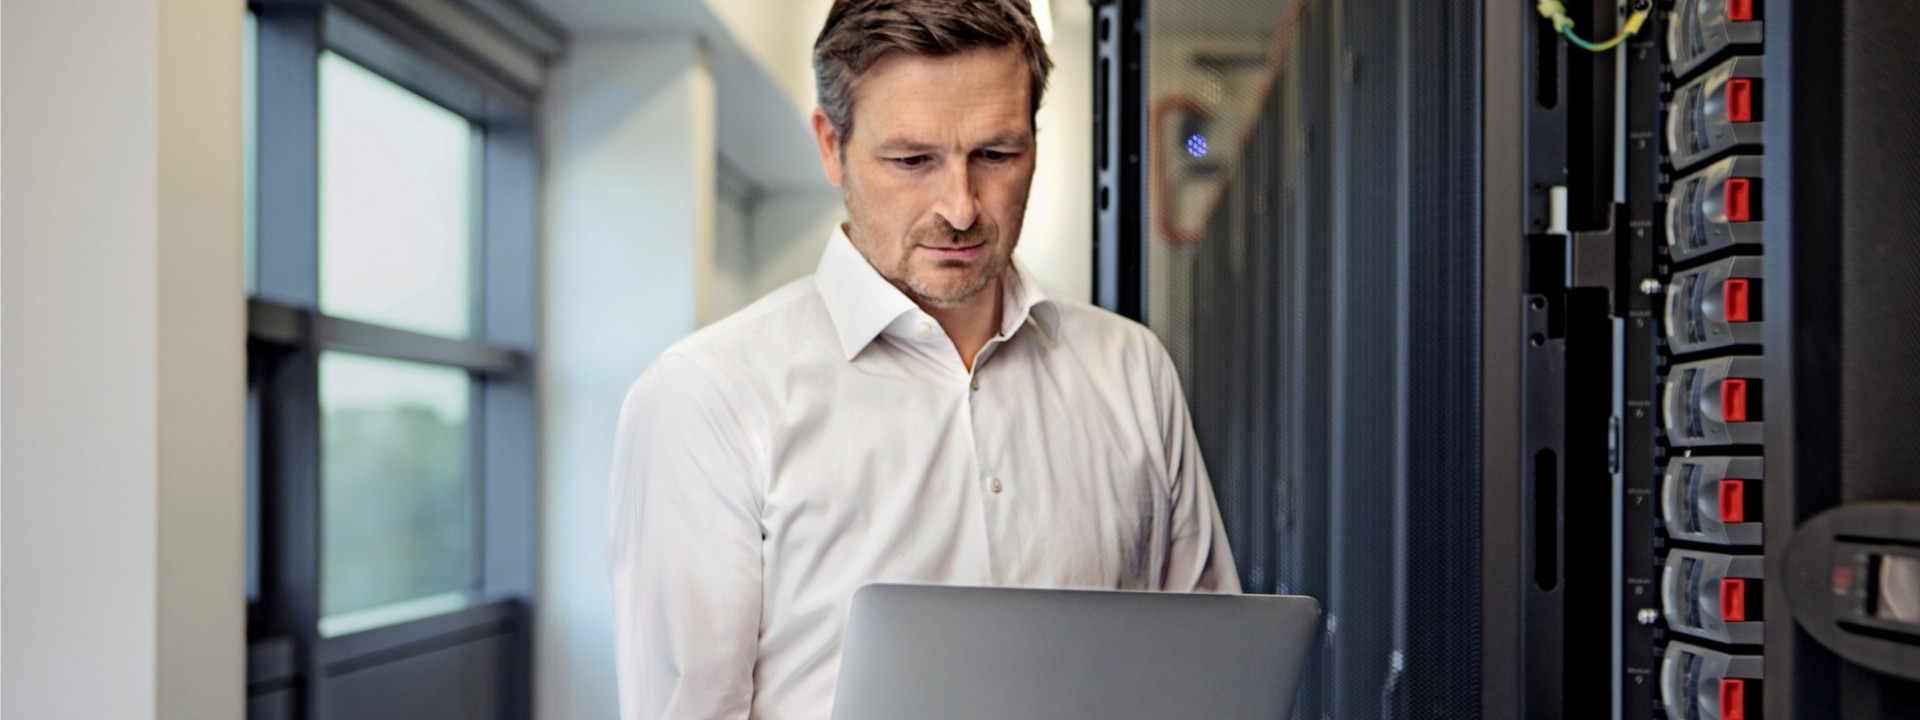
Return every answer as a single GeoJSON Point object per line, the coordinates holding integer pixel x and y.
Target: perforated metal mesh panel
{"type": "Point", "coordinates": [1312, 266]}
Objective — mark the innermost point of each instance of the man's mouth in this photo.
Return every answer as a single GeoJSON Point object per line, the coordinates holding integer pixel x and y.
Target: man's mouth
{"type": "Point", "coordinates": [955, 253]}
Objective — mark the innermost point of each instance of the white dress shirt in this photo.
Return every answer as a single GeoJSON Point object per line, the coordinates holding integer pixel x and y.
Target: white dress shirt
{"type": "Point", "coordinates": [829, 436]}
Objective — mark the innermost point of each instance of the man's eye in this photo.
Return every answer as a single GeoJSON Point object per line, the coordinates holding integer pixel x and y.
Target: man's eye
{"type": "Point", "coordinates": [911, 162]}
{"type": "Point", "coordinates": [994, 155]}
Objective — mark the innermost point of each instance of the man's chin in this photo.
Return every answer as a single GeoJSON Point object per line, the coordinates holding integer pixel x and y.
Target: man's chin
{"type": "Point", "coordinates": [946, 291]}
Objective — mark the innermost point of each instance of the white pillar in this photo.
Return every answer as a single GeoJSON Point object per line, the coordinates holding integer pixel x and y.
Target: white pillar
{"type": "Point", "coordinates": [630, 211]}
{"type": "Point", "coordinates": [1057, 242]}
{"type": "Point", "coordinates": [122, 353]}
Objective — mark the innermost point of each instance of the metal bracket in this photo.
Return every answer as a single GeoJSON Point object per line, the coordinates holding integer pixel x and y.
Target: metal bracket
{"type": "Point", "coordinates": [1593, 260]}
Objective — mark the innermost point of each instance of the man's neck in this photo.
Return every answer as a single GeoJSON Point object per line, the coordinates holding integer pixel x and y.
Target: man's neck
{"type": "Point", "coordinates": [973, 324]}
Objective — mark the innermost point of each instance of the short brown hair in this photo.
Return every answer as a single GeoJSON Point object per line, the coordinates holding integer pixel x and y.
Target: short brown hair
{"type": "Point", "coordinates": [859, 33]}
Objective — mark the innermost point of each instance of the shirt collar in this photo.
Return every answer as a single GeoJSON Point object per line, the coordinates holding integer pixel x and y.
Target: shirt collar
{"type": "Point", "coordinates": [863, 304]}
{"type": "Point", "coordinates": [1025, 300]}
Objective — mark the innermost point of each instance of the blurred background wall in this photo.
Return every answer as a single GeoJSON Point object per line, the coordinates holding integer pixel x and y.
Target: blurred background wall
{"type": "Point", "coordinates": [122, 360]}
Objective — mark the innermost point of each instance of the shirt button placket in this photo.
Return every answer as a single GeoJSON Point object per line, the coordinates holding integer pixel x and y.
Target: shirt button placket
{"type": "Point", "coordinates": [991, 507]}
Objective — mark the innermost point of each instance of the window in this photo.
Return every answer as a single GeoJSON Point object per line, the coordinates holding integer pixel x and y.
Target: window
{"type": "Point", "coordinates": [392, 188]}
{"type": "Point", "coordinates": [399, 497]}
{"type": "Point", "coordinates": [396, 353]}
{"type": "Point", "coordinates": [396, 204]}
{"type": "Point", "coordinates": [399, 505]}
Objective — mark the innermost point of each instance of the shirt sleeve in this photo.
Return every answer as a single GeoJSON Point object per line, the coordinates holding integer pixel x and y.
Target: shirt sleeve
{"type": "Point", "coordinates": [684, 548]}
{"type": "Point", "coordinates": [1198, 559]}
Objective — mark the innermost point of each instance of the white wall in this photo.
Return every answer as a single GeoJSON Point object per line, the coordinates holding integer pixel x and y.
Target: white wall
{"type": "Point", "coordinates": [122, 364]}
{"type": "Point", "coordinates": [629, 232]}
{"type": "Point", "coordinates": [1057, 243]}
{"type": "Point", "coordinates": [729, 284]}
{"type": "Point", "coordinates": [790, 231]}
{"type": "Point", "coordinates": [779, 35]}
{"type": "Point", "coordinates": [791, 225]}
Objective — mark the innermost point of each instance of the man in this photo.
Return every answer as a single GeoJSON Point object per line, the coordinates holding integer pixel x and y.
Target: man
{"type": "Point", "coordinates": [917, 411]}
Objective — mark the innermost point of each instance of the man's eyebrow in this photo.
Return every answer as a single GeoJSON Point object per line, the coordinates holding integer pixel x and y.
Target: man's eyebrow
{"type": "Point", "coordinates": [1020, 139]}
{"type": "Point", "coordinates": [903, 145]}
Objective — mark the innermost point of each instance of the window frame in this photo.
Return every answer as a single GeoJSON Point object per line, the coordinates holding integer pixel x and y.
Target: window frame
{"type": "Point", "coordinates": [419, 46]}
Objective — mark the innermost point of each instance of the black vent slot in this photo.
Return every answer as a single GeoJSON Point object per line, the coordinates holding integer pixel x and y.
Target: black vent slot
{"type": "Point", "coordinates": [1690, 481]}
{"type": "Point", "coordinates": [1690, 392]}
{"type": "Point", "coordinates": [1690, 586]}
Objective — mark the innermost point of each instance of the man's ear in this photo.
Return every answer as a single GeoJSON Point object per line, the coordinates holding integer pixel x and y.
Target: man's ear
{"type": "Point", "coordinates": [829, 140]}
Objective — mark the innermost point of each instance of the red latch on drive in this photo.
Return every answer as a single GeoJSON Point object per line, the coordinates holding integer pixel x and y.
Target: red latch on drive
{"type": "Point", "coordinates": [1739, 10]}
{"type": "Point", "coordinates": [1733, 400]}
{"type": "Point", "coordinates": [1739, 199]}
{"type": "Point", "coordinates": [1733, 600]}
{"type": "Point", "coordinates": [1733, 699]}
{"type": "Point", "coordinates": [1733, 501]}
{"type": "Point", "coordinates": [1740, 100]}
{"type": "Point", "coordinates": [1734, 299]}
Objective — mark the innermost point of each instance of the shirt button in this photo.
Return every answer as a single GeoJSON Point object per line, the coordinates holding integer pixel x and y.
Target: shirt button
{"type": "Point", "coordinates": [975, 384]}
{"type": "Point", "coordinates": [926, 329]}
{"type": "Point", "coordinates": [995, 483]}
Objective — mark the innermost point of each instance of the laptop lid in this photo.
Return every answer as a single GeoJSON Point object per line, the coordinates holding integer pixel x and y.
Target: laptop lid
{"type": "Point", "coordinates": [946, 653]}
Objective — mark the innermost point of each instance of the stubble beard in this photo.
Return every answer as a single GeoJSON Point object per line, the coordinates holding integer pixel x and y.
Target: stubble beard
{"type": "Point", "coordinates": [933, 292]}
{"type": "Point", "coordinates": [941, 290]}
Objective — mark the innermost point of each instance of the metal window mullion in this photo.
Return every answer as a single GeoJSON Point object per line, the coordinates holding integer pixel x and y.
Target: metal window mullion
{"type": "Point", "coordinates": [476, 460]}
{"type": "Point", "coordinates": [284, 326]}
{"type": "Point", "coordinates": [287, 201]}
{"type": "Point", "coordinates": [478, 420]}
{"type": "Point", "coordinates": [508, 433]}
{"type": "Point", "coordinates": [287, 208]}
{"type": "Point", "coordinates": [352, 336]}
{"type": "Point", "coordinates": [479, 263]}
{"type": "Point", "coordinates": [509, 193]}
{"type": "Point", "coordinates": [291, 493]}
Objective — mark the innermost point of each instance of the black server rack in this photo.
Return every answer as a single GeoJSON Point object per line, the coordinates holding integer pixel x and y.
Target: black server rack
{"type": "Point", "coordinates": [1572, 377]}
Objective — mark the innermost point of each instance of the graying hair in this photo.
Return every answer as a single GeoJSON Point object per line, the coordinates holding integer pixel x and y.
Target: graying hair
{"type": "Point", "coordinates": [859, 33]}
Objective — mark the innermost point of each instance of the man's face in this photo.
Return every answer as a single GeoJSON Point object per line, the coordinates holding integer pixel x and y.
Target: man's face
{"type": "Point", "coordinates": [937, 170]}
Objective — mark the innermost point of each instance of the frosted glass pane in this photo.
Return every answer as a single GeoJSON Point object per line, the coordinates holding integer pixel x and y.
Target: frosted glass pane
{"type": "Point", "coordinates": [399, 492]}
{"type": "Point", "coordinates": [396, 193]}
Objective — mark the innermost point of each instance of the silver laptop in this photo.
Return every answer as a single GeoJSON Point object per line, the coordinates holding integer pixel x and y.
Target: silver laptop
{"type": "Point", "coordinates": [946, 653]}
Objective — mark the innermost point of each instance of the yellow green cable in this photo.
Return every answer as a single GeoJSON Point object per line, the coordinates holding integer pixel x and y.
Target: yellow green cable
{"type": "Point", "coordinates": [1556, 12]}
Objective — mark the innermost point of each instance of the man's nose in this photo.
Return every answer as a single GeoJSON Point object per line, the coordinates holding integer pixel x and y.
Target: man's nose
{"type": "Point", "coordinates": [957, 203]}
